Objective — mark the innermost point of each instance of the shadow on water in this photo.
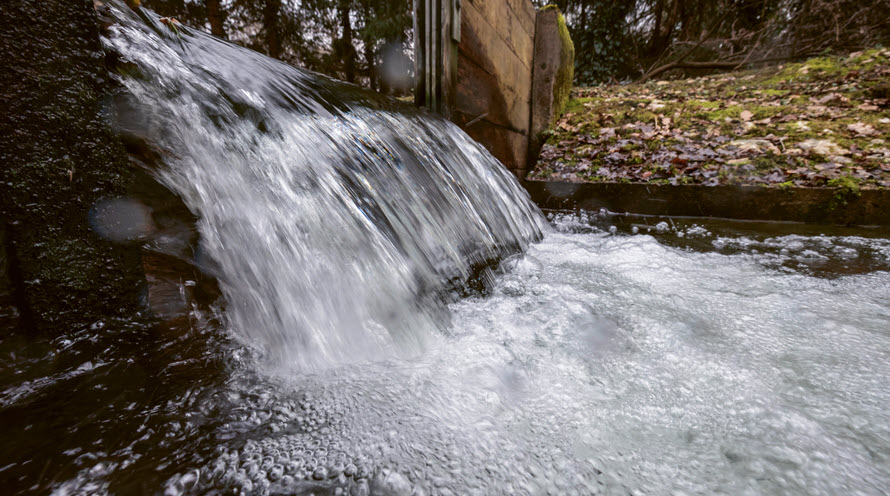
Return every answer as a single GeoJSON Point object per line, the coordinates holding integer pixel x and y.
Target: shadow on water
{"type": "Point", "coordinates": [115, 391]}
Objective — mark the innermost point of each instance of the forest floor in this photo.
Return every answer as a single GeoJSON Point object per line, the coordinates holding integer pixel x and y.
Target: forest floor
{"type": "Point", "coordinates": [823, 122]}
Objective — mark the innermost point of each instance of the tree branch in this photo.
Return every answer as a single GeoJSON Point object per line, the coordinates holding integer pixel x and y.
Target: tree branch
{"type": "Point", "coordinates": [672, 65]}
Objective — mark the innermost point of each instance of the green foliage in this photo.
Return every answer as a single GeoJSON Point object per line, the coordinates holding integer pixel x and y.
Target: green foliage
{"type": "Point", "coordinates": [787, 185]}
{"type": "Point", "coordinates": [619, 41]}
{"type": "Point", "coordinates": [600, 34]}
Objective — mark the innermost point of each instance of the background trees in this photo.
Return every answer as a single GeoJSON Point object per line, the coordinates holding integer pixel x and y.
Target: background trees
{"type": "Point", "coordinates": [631, 39]}
{"type": "Point", "coordinates": [369, 41]}
{"type": "Point", "coordinates": [360, 41]}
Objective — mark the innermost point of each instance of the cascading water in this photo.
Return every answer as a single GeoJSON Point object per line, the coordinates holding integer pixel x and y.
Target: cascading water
{"type": "Point", "coordinates": [656, 358]}
{"type": "Point", "coordinates": [328, 221]}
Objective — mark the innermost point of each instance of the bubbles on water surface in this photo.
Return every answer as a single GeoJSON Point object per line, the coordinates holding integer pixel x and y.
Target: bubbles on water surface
{"type": "Point", "coordinates": [597, 364]}
{"type": "Point", "coordinates": [621, 366]}
{"type": "Point", "coordinates": [781, 246]}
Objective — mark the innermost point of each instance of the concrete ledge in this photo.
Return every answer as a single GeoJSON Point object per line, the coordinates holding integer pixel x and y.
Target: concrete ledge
{"type": "Point", "coordinates": [810, 205]}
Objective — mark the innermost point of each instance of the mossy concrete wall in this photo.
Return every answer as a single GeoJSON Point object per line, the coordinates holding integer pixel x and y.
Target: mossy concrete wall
{"type": "Point", "coordinates": [60, 156]}
{"type": "Point", "coordinates": [554, 71]}
{"type": "Point", "coordinates": [810, 205]}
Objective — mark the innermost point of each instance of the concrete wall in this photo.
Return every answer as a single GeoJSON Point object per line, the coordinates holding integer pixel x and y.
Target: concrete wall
{"type": "Point", "coordinates": [494, 77]}
{"type": "Point", "coordinates": [477, 62]}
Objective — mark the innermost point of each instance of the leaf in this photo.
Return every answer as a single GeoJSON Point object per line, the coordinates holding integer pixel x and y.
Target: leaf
{"type": "Point", "coordinates": [746, 115]}
{"type": "Point", "coordinates": [862, 129]}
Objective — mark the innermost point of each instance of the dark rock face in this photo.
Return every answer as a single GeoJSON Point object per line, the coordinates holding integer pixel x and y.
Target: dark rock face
{"type": "Point", "coordinates": [60, 156]}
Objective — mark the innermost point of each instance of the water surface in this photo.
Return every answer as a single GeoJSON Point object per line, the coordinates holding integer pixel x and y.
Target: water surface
{"type": "Point", "coordinates": [594, 363]}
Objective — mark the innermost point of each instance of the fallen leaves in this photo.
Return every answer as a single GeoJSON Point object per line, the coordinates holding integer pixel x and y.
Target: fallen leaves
{"type": "Point", "coordinates": [794, 130]}
{"type": "Point", "coordinates": [822, 147]}
{"type": "Point", "coordinates": [832, 98]}
{"type": "Point", "coordinates": [755, 146]}
{"type": "Point", "coordinates": [862, 129]}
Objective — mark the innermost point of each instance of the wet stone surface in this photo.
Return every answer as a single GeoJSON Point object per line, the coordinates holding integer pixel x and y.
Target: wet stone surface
{"type": "Point", "coordinates": [60, 156]}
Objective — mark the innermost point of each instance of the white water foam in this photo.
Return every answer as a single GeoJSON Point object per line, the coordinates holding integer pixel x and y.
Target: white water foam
{"type": "Point", "coordinates": [600, 364]}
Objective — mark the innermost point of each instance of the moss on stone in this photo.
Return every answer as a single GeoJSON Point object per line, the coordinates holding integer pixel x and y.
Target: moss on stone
{"type": "Point", "coordinates": [771, 92]}
{"type": "Point", "coordinates": [703, 104]}
{"type": "Point", "coordinates": [847, 189]}
{"type": "Point", "coordinates": [578, 105]}
{"type": "Point", "coordinates": [62, 155]}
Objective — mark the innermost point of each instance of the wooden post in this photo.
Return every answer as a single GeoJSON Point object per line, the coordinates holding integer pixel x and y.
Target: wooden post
{"type": "Point", "coordinates": [419, 54]}
{"type": "Point", "coordinates": [436, 33]}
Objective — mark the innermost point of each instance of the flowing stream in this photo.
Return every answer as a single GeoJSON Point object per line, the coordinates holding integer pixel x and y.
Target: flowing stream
{"type": "Point", "coordinates": [398, 318]}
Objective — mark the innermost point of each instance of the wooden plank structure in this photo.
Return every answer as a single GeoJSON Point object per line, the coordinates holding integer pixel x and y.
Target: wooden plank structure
{"type": "Point", "coordinates": [473, 64]}
{"type": "Point", "coordinates": [436, 35]}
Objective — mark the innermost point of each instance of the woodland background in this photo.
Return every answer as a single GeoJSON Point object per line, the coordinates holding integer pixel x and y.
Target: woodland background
{"type": "Point", "coordinates": [368, 42]}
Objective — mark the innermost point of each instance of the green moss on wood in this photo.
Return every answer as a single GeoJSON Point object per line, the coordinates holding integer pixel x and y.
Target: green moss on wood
{"type": "Point", "coordinates": [562, 87]}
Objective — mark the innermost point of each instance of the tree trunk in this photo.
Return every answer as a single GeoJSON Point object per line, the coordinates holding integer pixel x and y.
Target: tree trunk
{"type": "Point", "coordinates": [216, 18]}
{"type": "Point", "coordinates": [348, 48]}
{"type": "Point", "coordinates": [370, 55]}
{"type": "Point", "coordinates": [370, 59]}
{"type": "Point", "coordinates": [270, 22]}
{"type": "Point", "coordinates": [666, 19]}
{"type": "Point", "coordinates": [656, 30]}
{"type": "Point", "coordinates": [686, 24]}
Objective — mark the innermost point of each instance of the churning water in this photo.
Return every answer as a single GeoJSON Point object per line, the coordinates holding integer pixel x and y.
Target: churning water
{"type": "Point", "coordinates": [671, 359]}
{"type": "Point", "coordinates": [329, 223]}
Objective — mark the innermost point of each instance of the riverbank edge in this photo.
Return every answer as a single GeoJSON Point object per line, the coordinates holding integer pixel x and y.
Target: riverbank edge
{"type": "Point", "coordinates": [865, 207]}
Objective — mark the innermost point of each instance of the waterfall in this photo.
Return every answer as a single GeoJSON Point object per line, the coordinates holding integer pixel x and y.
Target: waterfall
{"type": "Point", "coordinates": [333, 216]}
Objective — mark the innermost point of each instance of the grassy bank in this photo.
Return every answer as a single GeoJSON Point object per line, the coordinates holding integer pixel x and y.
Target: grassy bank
{"type": "Point", "coordinates": [824, 122]}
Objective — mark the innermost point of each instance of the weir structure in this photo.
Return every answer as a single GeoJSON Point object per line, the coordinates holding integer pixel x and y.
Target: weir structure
{"type": "Point", "coordinates": [499, 69]}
